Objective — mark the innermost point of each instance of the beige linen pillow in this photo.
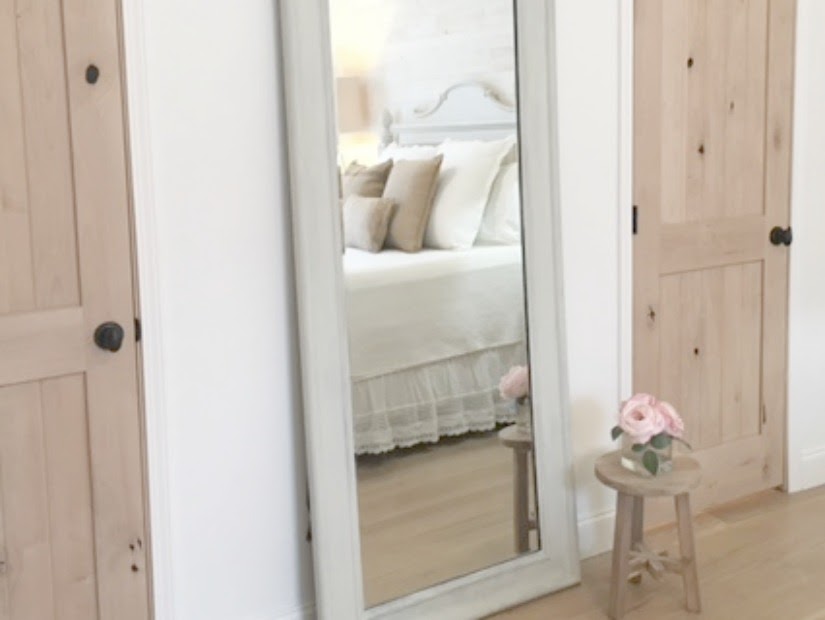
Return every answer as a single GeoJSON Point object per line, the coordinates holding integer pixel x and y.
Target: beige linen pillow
{"type": "Point", "coordinates": [362, 181]}
{"type": "Point", "coordinates": [411, 186]}
{"type": "Point", "coordinates": [365, 222]}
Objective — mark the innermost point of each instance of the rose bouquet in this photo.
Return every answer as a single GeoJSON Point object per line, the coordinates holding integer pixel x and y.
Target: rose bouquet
{"type": "Point", "coordinates": [649, 427]}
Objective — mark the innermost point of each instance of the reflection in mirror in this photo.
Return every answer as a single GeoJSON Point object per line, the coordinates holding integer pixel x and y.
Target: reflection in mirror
{"type": "Point", "coordinates": [429, 180]}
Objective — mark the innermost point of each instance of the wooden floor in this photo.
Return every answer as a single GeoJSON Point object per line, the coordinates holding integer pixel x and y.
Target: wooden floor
{"type": "Point", "coordinates": [434, 513]}
{"type": "Point", "coordinates": [759, 559]}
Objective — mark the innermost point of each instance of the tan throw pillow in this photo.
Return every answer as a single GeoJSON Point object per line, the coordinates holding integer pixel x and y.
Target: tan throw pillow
{"type": "Point", "coordinates": [362, 181]}
{"type": "Point", "coordinates": [411, 186]}
{"type": "Point", "coordinates": [365, 222]}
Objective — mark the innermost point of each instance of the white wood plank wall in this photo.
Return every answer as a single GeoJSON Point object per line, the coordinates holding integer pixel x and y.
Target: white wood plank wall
{"type": "Point", "coordinates": [411, 50]}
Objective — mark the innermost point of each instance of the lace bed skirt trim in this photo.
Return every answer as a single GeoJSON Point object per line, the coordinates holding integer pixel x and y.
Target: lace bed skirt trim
{"type": "Point", "coordinates": [425, 403]}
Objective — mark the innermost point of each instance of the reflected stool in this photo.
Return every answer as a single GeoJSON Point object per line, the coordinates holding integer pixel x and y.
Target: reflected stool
{"type": "Point", "coordinates": [520, 441]}
{"type": "Point", "coordinates": [630, 554]}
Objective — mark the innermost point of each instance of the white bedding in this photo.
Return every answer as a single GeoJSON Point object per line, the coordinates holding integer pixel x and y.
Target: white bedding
{"type": "Point", "coordinates": [405, 310]}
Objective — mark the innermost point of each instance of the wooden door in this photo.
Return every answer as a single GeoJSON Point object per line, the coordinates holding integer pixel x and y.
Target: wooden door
{"type": "Point", "coordinates": [712, 138]}
{"type": "Point", "coordinates": [72, 536]}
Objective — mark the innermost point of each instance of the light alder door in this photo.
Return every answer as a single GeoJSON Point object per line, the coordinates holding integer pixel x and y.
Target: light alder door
{"type": "Point", "coordinates": [72, 532]}
{"type": "Point", "coordinates": [713, 104]}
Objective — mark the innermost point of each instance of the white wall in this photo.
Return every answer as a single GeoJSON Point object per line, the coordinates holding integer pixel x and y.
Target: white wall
{"type": "Point", "coordinates": [591, 190]}
{"type": "Point", "coordinates": [227, 403]}
{"type": "Point", "coordinates": [806, 405]}
{"type": "Point", "coordinates": [409, 51]}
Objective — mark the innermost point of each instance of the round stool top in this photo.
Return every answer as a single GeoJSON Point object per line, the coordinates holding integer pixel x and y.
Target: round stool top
{"type": "Point", "coordinates": [685, 476]}
{"type": "Point", "coordinates": [514, 437]}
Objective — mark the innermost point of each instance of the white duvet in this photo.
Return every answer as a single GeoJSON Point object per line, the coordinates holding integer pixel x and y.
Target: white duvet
{"type": "Point", "coordinates": [405, 310]}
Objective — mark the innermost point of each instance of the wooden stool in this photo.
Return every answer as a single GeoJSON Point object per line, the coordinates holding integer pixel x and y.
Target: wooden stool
{"type": "Point", "coordinates": [521, 442]}
{"type": "Point", "coordinates": [629, 552]}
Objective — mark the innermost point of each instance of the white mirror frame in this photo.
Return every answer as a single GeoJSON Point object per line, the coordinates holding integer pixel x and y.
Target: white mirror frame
{"type": "Point", "coordinates": [309, 95]}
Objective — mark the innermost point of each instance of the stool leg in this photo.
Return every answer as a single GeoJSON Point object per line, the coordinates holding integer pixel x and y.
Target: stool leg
{"type": "Point", "coordinates": [621, 555]}
{"type": "Point", "coordinates": [686, 544]}
{"type": "Point", "coordinates": [637, 531]}
{"type": "Point", "coordinates": [521, 502]}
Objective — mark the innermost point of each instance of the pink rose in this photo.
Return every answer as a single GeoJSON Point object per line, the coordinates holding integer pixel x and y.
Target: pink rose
{"type": "Point", "coordinates": [674, 426]}
{"type": "Point", "coordinates": [516, 383]}
{"type": "Point", "coordinates": [641, 418]}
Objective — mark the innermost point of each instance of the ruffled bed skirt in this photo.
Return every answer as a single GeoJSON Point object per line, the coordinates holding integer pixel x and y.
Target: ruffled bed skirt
{"type": "Point", "coordinates": [422, 404]}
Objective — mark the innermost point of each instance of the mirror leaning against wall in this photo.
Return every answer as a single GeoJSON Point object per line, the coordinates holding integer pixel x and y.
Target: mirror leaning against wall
{"type": "Point", "coordinates": [428, 152]}
{"type": "Point", "coordinates": [421, 134]}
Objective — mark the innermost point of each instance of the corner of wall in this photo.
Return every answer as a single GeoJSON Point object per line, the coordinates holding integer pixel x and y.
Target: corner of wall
{"type": "Point", "coordinates": [806, 315]}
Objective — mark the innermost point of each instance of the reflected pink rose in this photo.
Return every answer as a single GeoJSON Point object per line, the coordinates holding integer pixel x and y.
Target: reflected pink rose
{"type": "Point", "coordinates": [516, 383]}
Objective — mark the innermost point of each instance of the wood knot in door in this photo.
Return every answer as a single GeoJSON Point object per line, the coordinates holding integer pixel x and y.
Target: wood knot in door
{"type": "Point", "coordinates": [777, 138]}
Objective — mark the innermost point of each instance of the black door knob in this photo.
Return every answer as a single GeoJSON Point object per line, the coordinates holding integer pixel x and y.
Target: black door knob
{"type": "Point", "coordinates": [781, 236]}
{"type": "Point", "coordinates": [109, 336]}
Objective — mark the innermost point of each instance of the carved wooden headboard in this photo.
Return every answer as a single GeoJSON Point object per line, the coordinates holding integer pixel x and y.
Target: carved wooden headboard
{"type": "Point", "coordinates": [466, 111]}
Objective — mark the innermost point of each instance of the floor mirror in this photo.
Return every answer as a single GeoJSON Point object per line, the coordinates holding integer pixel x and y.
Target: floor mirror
{"type": "Point", "coordinates": [424, 192]}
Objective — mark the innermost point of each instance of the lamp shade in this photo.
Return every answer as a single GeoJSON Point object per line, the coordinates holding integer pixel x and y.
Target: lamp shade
{"type": "Point", "coordinates": [351, 100]}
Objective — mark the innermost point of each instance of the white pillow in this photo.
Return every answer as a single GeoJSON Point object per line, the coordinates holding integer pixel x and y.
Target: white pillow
{"type": "Point", "coordinates": [467, 174]}
{"type": "Point", "coordinates": [502, 217]}
{"type": "Point", "coordinates": [414, 151]}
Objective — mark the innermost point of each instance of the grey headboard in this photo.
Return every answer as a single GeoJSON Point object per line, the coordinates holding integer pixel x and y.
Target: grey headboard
{"type": "Point", "coordinates": [467, 111]}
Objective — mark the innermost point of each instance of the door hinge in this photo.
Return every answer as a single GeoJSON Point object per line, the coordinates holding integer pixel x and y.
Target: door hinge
{"type": "Point", "coordinates": [635, 220]}
{"type": "Point", "coordinates": [308, 537]}
{"type": "Point", "coordinates": [138, 330]}
{"type": "Point", "coordinates": [764, 414]}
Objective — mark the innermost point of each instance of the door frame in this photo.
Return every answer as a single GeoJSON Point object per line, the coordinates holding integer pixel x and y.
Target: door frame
{"type": "Point", "coordinates": [625, 202]}
{"type": "Point", "coordinates": [148, 299]}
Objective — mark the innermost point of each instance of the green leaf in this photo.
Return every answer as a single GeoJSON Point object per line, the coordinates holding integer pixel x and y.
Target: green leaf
{"type": "Point", "coordinates": [638, 447]}
{"type": "Point", "coordinates": [651, 462]}
{"type": "Point", "coordinates": [660, 441]}
{"type": "Point", "coordinates": [616, 432]}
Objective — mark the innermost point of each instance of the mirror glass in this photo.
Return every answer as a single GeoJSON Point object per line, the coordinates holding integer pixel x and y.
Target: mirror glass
{"type": "Point", "coordinates": [433, 267]}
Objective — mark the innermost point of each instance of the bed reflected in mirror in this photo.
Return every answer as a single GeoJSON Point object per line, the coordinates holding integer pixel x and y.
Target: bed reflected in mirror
{"type": "Point", "coordinates": [433, 267]}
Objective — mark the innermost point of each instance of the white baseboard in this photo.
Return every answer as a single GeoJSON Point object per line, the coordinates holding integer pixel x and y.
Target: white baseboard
{"type": "Point", "coordinates": [305, 612]}
{"type": "Point", "coordinates": [810, 470]}
{"type": "Point", "coordinates": [596, 533]}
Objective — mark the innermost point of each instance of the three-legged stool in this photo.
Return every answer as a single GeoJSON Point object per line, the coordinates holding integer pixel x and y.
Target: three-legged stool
{"type": "Point", "coordinates": [521, 443]}
{"type": "Point", "coordinates": [630, 555]}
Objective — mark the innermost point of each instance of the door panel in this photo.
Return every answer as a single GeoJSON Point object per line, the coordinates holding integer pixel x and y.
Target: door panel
{"type": "Point", "coordinates": [36, 171]}
{"type": "Point", "coordinates": [46, 499]}
{"type": "Point", "coordinates": [69, 491]}
{"type": "Point", "coordinates": [72, 540]}
{"type": "Point", "coordinates": [711, 327]}
{"type": "Point", "coordinates": [713, 87]}
{"type": "Point", "coordinates": [25, 504]}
